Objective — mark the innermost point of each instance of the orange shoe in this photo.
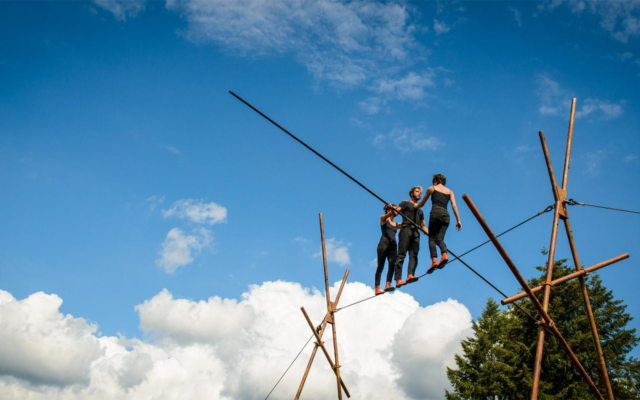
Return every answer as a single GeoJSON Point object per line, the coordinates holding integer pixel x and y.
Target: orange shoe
{"type": "Point", "coordinates": [411, 278]}
{"type": "Point", "coordinates": [400, 283]}
{"type": "Point", "coordinates": [389, 288]}
{"type": "Point", "coordinates": [378, 291]}
{"type": "Point", "coordinates": [443, 261]}
{"type": "Point", "coordinates": [434, 265]}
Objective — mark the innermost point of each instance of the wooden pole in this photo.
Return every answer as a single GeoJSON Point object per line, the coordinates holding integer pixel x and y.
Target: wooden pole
{"type": "Point", "coordinates": [582, 272]}
{"type": "Point", "coordinates": [523, 283]}
{"type": "Point", "coordinates": [576, 261]}
{"type": "Point", "coordinates": [321, 344]}
{"type": "Point", "coordinates": [315, 349]}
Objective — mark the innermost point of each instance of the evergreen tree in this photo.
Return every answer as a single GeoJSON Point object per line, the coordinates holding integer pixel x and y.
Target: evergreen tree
{"type": "Point", "coordinates": [497, 362]}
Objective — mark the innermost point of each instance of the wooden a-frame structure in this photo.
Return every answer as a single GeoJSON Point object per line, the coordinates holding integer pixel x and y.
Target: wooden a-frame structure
{"type": "Point", "coordinates": [560, 212]}
{"type": "Point", "coordinates": [328, 319]}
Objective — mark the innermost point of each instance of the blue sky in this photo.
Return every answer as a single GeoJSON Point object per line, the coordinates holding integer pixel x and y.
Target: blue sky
{"type": "Point", "coordinates": [127, 168]}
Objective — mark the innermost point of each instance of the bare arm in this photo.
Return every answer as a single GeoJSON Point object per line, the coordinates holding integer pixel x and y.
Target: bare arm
{"type": "Point", "coordinates": [424, 227]}
{"type": "Point", "coordinates": [455, 210]}
{"type": "Point", "coordinates": [385, 218]}
{"type": "Point", "coordinates": [426, 197]}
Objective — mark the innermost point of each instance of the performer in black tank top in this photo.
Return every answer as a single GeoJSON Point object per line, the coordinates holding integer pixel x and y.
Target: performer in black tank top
{"type": "Point", "coordinates": [409, 236]}
{"type": "Point", "coordinates": [387, 247]}
{"type": "Point", "coordinates": [439, 219]}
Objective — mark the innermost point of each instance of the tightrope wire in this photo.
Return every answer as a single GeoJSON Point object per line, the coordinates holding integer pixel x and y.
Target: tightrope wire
{"type": "Point", "coordinates": [287, 370]}
{"type": "Point", "coordinates": [572, 202]}
{"type": "Point", "coordinates": [551, 207]}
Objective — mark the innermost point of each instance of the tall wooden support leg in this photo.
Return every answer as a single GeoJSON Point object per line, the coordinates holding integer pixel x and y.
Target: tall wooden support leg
{"type": "Point", "coordinates": [328, 319]}
{"type": "Point", "coordinates": [545, 316]}
{"type": "Point", "coordinates": [560, 195]}
{"type": "Point", "coordinates": [547, 284]}
{"type": "Point", "coordinates": [315, 349]}
{"type": "Point", "coordinates": [330, 308]}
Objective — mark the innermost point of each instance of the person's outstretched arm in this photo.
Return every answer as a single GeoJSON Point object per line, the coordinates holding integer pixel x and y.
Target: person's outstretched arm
{"type": "Point", "coordinates": [426, 197]}
{"type": "Point", "coordinates": [455, 210]}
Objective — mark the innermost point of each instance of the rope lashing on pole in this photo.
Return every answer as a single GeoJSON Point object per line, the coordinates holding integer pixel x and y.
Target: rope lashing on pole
{"type": "Point", "coordinates": [572, 202]}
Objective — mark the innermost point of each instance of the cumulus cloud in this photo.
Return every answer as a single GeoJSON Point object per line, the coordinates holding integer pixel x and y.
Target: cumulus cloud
{"type": "Point", "coordinates": [40, 345]}
{"type": "Point", "coordinates": [408, 140]}
{"type": "Point", "coordinates": [621, 18]}
{"type": "Point", "coordinates": [555, 100]}
{"type": "Point", "coordinates": [187, 354]}
{"type": "Point", "coordinates": [337, 252]}
{"type": "Point", "coordinates": [197, 211]}
{"type": "Point", "coordinates": [178, 249]}
{"type": "Point", "coordinates": [122, 9]}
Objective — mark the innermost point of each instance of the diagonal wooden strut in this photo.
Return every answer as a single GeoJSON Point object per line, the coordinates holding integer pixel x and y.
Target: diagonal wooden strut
{"type": "Point", "coordinates": [328, 319]}
{"type": "Point", "coordinates": [523, 283]}
{"type": "Point", "coordinates": [560, 196]}
{"type": "Point", "coordinates": [315, 349]}
{"type": "Point", "coordinates": [582, 272]}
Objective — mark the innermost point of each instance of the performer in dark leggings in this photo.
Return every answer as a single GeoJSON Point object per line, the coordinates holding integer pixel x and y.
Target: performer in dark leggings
{"type": "Point", "coordinates": [409, 236]}
{"type": "Point", "coordinates": [387, 247]}
{"type": "Point", "coordinates": [439, 219]}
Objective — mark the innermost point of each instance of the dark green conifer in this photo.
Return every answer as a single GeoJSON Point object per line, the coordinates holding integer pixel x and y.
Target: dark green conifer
{"type": "Point", "coordinates": [497, 362]}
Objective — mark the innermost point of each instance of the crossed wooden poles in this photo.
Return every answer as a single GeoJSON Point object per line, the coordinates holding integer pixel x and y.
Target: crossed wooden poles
{"type": "Point", "coordinates": [328, 319]}
{"type": "Point", "coordinates": [560, 212]}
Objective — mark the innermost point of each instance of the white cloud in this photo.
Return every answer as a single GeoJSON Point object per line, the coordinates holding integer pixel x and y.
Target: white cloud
{"type": "Point", "coordinates": [155, 201]}
{"type": "Point", "coordinates": [594, 159]}
{"type": "Point", "coordinates": [630, 158]}
{"type": "Point", "coordinates": [408, 140]}
{"type": "Point", "coordinates": [197, 211]}
{"type": "Point", "coordinates": [190, 356]}
{"type": "Point", "coordinates": [625, 56]}
{"type": "Point", "coordinates": [344, 43]}
{"type": "Point", "coordinates": [337, 252]}
{"type": "Point", "coordinates": [432, 348]}
{"type": "Point", "coordinates": [179, 249]}
{"type": "Point", "coordinates": [122, 9]}
{"type": "Point", "coordinates": [411, 87]}
{"type": "Point", "coordinates": [371, 105]}
{"type": "Point", "coordinates": [621, 18]}
{"type": "Point", "coordinates": [555, 100]}
{"type": "Point", "coordinates": [516, 15]}
{"type": "Point", "coordinates": [358, 123]}
{"type": "Point", "coordinates": [440, 27]}
{"type": "Point", "coordinates": [41, 346]}
{"type": "Point", "coordinates": [608, 109]}
{"type": "Point", "coordinates": [187, 322]}
{"type": "Point", "coordinates": [172, 149]}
